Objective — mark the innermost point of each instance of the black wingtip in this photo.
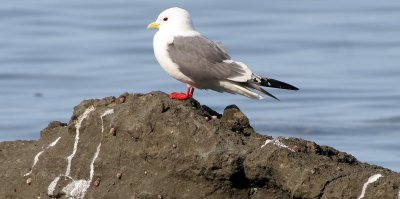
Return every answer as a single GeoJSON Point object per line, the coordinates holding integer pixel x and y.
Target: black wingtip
{"type": "Point", "coordinates": [295, 88]}
{"type": "Point", "coordinates": [269, 94]}
{"type": "Point", "coordinates": [258, 88]}
{"type": "Point", "coordinates": [277, 84]}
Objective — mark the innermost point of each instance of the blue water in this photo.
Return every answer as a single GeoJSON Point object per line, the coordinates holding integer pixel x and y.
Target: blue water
{"type": "Point", "coordinates": [343, 55]}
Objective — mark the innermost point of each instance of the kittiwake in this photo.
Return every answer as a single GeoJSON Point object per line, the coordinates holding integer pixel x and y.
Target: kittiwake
{"type": "Point", "coordinates": [200, 63]}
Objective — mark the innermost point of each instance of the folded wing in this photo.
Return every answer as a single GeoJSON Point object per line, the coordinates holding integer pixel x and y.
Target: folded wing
{"type": "Point", "coordinates": [202, 59]}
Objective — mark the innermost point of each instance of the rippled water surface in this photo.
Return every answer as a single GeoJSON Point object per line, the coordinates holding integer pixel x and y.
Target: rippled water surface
{"type": "Point", "coordinates": [343, 55]}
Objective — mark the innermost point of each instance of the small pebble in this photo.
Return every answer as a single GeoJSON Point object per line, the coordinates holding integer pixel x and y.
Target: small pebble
{"type": "Point", "coordinates": [313, 171]}
{"type": "Point", "coordinates": [159, 197]}
{"type": "Point", "coordinates": [122, 99]}
{"type": "Point", "coordinates": [174, 146]}
{"type": "Point", "coordinates": [206, 118]}
{"type": "Point", "coordinates": [113, 132]}
{"type": "Point", "coordinates": [97, 182]}
{"type": "Point", "coordinates": [29, 181]}
{"type": "Point", "coordinates": [145, 172]}
{"type": "Point", "coordinates": [296, 148]}
{"type": "Point", "coordinates": [119, 175]}
{"type": "Point", "coordinates": [253, 191]}
{"type": "Point", "coordinates": [214, 117]}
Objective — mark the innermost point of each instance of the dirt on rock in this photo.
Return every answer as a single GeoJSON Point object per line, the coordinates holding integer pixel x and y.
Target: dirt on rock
{"type": "Point", "coordinates": [149, 146]}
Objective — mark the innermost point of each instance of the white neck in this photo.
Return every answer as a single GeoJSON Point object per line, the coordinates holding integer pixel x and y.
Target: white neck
{"type": "Point", "coordinates": [178, 32]}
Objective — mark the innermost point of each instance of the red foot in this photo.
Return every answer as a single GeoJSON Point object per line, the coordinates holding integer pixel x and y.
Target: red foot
{"type": "Point", "coordinates": [180, 96]}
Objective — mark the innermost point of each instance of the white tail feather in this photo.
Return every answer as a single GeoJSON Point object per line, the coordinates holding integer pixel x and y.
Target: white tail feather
{"type": "Point", "coordinates": [237, 89]}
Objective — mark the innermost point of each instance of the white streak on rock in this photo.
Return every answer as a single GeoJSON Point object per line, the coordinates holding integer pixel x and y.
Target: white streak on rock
{"type": "Point", "coordinates": [52, 186]}
{"type": "Point", "coordinates": [77, 188]}
{"type": "Point", "coordinates": [277, 143]}
{"type": "Point", "coordinates": [107, 112]}
{"type": "Point", "coordinates": [36, 159]}
{"type": "Point", "coordinates": [281, 145]}
{"type": "Point", "coordinates": [371, 179]}
{"type": "Point", "coordinates": [54, 143]}
{"type": "Point", "coordinates": [92, 163]}
{"type": "Point", "coordinates": [266, 142]}
{"type": "Point", "coordinates": [77, 126]}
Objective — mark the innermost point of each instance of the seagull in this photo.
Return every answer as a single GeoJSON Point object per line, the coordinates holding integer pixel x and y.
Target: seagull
{"type": "Point", "coordinates": [200, 63]}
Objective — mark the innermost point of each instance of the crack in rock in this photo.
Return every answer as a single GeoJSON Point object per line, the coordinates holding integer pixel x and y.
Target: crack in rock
{"type": "Point", "coordinates": [329, 182]}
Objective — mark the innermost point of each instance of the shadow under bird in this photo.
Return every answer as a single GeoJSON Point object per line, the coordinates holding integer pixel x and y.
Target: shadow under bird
{"type": "Point", "coordinates": [200, 63]}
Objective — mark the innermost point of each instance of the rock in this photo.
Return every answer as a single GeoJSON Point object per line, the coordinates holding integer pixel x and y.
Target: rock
{"type": "Point", "coordinates": [178, 149]}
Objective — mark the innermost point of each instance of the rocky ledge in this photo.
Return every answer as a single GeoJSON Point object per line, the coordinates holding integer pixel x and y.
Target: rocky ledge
{"type": "Point", "coordinates": [148, 146]}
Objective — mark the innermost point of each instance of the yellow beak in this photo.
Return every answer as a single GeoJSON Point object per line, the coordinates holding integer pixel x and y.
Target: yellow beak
{"type": "Point", "coordinates": [153, 25]}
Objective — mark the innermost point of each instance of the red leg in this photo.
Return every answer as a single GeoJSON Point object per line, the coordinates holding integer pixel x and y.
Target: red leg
{"type": "Point", "coordinates": [182, 96]}
{"type": "Point", "coordinates": [192, 91]}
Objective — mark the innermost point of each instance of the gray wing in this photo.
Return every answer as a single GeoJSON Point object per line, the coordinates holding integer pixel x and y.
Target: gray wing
{"type": "Point", "coordinates": [201, 59]}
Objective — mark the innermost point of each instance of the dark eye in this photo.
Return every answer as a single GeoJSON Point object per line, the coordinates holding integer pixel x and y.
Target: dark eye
{"type": "Point", "coordinates": [165, 19]}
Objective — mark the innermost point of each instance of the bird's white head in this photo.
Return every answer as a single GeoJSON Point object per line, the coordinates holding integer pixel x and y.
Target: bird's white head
{"type": "Point", "coordinates": [173, 20]}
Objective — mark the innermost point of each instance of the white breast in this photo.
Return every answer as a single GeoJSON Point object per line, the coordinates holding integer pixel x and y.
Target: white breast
{"type": "Point", "coordinates": [160, 45]}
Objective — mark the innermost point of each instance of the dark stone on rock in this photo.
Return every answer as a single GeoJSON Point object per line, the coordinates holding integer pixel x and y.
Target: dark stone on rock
{"type": "Point", "coordinates": [55, 124]}
{"type": "Point", "coordinates": [178, 149]}
{"type": "Point", "coordinates": [210, 112]}
{"type": "Point", "coordinates": [238, 122]}
{"type": "Point", "coordinates": [233, 113]}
